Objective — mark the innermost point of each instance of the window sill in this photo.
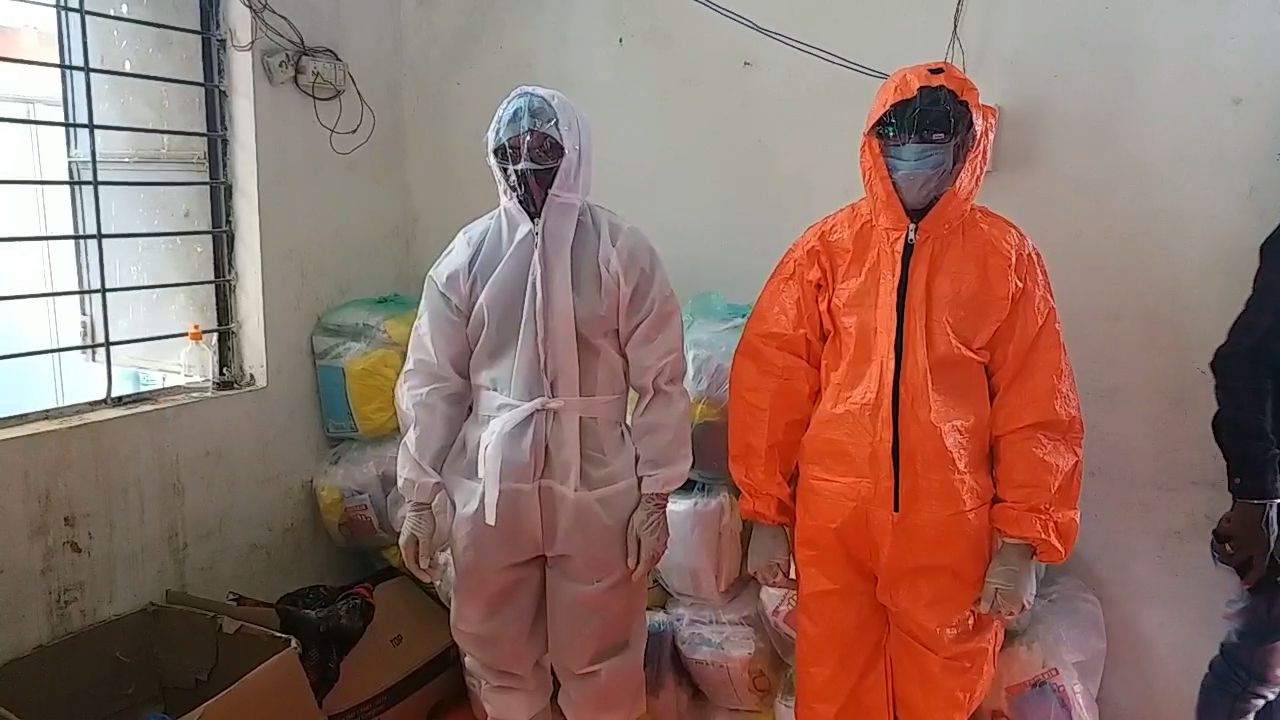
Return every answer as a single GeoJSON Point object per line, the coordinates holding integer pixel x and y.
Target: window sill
{"type": "Point", "coordinates": [100, 414]}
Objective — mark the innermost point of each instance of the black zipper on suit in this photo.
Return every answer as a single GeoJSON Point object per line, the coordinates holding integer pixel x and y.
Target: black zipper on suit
{"type": "Point", "coordinates": [908, 250]}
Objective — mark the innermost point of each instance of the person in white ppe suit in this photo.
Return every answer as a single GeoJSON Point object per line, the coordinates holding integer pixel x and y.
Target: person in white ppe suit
{"type": "Point", "coordinates": [535, 324]}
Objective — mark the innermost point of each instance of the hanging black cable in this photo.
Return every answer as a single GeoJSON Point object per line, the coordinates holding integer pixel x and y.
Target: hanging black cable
{"type": "Point", "coordinates": [956, 45]}
{"type": "Point", "coordinates": [268, 24]}
{"type": "Point", "coordinates": [801, 46]}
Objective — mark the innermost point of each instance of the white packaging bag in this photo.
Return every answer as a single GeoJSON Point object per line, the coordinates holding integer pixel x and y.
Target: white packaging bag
{"type": "Point", "coordinates": [668, 690]}
{"type": "Point", "coordinates": [712, 329]}
{"type": "Point", "coordinates": [704, 554]}
{"type": "Point", "coordinates": [1051, 670]}
{"type": "Point", "coordinates": [727, 652]}
{"type": "Point", "coordinates": [355, 490]}
{"type": "Point", "coordinates": [778, 607]}
{"type": "Point", "coordinates": [444, 586]}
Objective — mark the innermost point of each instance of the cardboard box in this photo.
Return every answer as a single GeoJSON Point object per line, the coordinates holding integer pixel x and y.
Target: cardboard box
{"type": "Point", "coordinates": [404, 667]}
{"type": "Point", "coordinates": [178, 661]}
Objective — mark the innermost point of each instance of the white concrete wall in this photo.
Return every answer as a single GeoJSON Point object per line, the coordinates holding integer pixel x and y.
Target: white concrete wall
{"type": "Point", "coordinates": [97, 519]}
{"type": "Point", "coordinates": [1139, 149]}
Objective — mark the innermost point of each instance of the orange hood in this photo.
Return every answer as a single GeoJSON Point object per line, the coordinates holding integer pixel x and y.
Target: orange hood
{"type": "Point", "coordinates": [886, 208]}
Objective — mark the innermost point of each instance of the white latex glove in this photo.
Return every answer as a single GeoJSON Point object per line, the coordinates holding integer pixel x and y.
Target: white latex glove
{"type": "Point", "coordinates": [421, 540]}
{"type": "Point", "coordinates": [769, 556]}
{"type": "Point", "coordinates": [1010, 587]}
{"type": "Point", "coordinates": [647, 536]}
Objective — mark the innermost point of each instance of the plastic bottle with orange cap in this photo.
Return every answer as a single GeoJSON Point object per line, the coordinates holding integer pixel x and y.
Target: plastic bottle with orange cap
{"type": "Point", "coordinates": [197, 362]}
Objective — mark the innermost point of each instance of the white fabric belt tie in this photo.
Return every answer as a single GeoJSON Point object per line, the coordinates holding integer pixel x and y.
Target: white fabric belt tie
{"type": "Point", "coordinates": [508, 414]}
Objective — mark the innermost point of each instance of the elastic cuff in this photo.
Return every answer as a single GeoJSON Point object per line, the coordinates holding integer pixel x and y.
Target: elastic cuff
{"type": "Point", "coordinates": [1254, 487]}
{"type": "Point", "coordinates": [423, 491]}
{"type": "Point", "coordinates": [767, 510]}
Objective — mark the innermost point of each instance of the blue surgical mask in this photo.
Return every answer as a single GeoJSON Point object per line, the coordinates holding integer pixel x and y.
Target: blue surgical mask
{"type": "Point", "coordinates": [921, 172]}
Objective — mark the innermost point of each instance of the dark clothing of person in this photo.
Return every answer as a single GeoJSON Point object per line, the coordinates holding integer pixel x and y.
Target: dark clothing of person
{"type": "Point", "coordinates": [1243, 681]}
{"type": "Point", "coordinates": [1245, 373]}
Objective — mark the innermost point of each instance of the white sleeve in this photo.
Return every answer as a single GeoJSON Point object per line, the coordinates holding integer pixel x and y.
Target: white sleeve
{"type": "Point", "coordinates": [433, 396]}
{"type": "Point", "coordinates": [652, 332]}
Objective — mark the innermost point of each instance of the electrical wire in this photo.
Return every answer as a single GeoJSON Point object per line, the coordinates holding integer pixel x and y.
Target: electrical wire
{"type": "Point", "coordinates": [801, 46]}
{"type": "Point", "coordinates": [267, 25]}
{"type": "Point", "coordinates": [956, 43]}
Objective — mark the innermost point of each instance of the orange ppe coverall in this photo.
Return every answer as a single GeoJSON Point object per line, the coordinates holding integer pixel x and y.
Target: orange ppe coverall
{"type": "Point", "coordinates": [923, 425]}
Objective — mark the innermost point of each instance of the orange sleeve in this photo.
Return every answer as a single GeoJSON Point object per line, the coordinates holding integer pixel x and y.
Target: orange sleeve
{"type": "Point", "coordinates": [774, 385]}
{"type": "Point", "coordinates": [1037, 430]}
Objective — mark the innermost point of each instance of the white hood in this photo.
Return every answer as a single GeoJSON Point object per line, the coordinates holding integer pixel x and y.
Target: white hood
{"type": "Point", "coordinates": [573, 181]}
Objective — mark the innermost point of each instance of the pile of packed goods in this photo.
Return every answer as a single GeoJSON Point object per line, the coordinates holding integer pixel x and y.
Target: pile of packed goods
{"type": "Point", "coordinates": [720, 646]}
{"type": "Point", "coordinates": [359, 350]}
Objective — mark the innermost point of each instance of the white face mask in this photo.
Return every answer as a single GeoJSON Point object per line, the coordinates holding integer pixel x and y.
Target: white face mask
{"type": "Point", "coordinates": [921, 172]}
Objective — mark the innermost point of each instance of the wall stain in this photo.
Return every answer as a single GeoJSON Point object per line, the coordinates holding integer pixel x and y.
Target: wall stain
{"type": "Point", "coordinates": [65, 600]}
{"type": "Point", "coordinates": [176, 534]}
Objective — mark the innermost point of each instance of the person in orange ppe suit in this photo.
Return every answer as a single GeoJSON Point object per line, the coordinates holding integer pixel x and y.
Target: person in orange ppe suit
{"type": "Point", "coordinates": [907, 359]}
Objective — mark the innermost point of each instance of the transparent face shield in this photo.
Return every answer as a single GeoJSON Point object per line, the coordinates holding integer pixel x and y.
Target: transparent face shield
{"type": "Point", "coordinates": [936, 115]}
{"type": "Point", "coordinates": [924, 141]}
{"type": "Point", "coordinates": [527, 149]}
{"type": "Point", "coordinates": [528, 135]}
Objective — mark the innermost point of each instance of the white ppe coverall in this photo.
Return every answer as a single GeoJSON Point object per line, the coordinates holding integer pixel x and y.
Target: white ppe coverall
{"type": "Point", "coordinates": [513, 401]}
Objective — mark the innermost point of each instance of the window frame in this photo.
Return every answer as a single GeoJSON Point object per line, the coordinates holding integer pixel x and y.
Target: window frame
{"type": "Point", "coordinates": [77, 73]}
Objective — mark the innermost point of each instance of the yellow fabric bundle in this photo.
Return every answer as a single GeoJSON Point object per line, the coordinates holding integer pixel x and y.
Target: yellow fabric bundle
{"type": "Point", "coordinates": [359, 350]}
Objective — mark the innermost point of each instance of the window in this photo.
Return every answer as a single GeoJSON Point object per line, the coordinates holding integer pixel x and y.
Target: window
{"type": "Point", "coordinates": [115, 233]}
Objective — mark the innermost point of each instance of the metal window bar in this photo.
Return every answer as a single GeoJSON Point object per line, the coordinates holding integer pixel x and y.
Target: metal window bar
{"type": "Point", "coordinates": [107, 71]}
{"type": "Point", "coordinates": [213, 47]}
{"type": "Point", "coordinates": [117, 236]}
{"type": "Point", "coordinates": [117, 289]}
{"type": "Point", "coordinates": [115, 343]}
{"type": "Point", "coordinates": [95, 183]}
{"type": "Point", "coordinates": [81, 10]}
{"type": "Point", "coordinates": [110, 128]}
{"type": "Point", "coordinates": [215, 74]}
{"type": "Point", "coordinates": [97, 198]}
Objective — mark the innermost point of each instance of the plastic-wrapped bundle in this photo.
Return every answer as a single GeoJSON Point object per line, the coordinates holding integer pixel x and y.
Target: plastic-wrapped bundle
{"type": "Point", "coordinates": [356, 492]}
{"type": "Point", "coordinates": [726, 651]}
{"type": "Point", "coordinates": [1052, 669]}
{"type": "Point", "coordinates": [669, 692]}
{"type": "Point", "coordinates": [444, 586]}
{"type": "Point", "coordinates": [779, 610]}
{"type": "Point", "coordinates": [712, 329]}
{"type": "Point", "coordinates": [704, 554]}
{"type": "Point", "coordinates": [359, 350]}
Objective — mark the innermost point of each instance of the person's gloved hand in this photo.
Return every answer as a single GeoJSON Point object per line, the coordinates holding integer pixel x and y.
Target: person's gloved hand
{"type": "Point", "coordinates": [769, 556]}
{"type": "Point", "coordinates": [1010, 587]}
{"type": "Point", "coordinates": [421, 539]}
{"type": "Point", "coordinates": [647, 535]}
{"type": "Point", "coordinates": [1245, 539]}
